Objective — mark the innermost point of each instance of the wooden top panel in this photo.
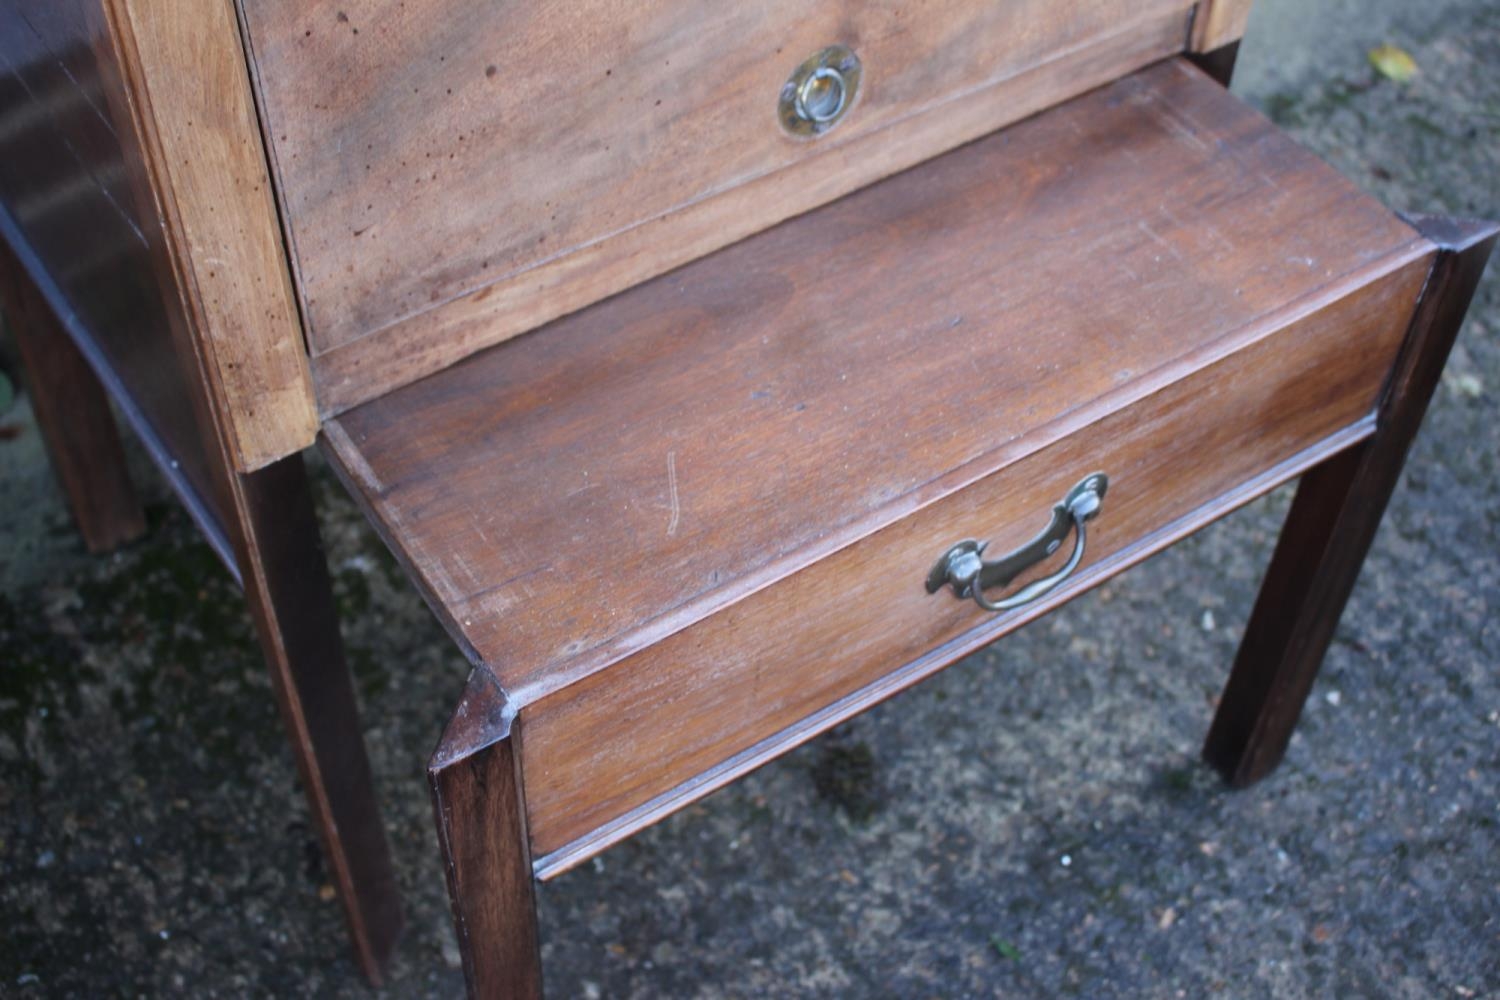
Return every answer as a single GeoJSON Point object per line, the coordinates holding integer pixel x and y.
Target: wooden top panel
{"type": "Point", "coordinates": [575, 494]}
{"type": "Point", "coordinates": [454, 172]}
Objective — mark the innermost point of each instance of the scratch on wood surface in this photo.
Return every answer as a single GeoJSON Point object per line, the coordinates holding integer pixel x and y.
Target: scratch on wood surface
{"type": "Point", "coordinates": [1174, 120]}
{"type": "Point", "coordinates": [463, 564]}
{"type": "Point", "coordinates": [672, 489]}
{"type": "Point", "coordinates": [1158, 239]}
{"type": "Point", "coordinates": [479, 528]}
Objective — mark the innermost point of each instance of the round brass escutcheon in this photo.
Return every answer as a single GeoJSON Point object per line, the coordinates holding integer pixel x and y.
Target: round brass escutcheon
{"type": "Point", "coordinates": [820, 92]}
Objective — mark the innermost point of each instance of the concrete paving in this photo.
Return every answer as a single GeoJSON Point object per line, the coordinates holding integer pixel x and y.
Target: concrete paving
{"type": "Point", "coordinates": [1033, 822]}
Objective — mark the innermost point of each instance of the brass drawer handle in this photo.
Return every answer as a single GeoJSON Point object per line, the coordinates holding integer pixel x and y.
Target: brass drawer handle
{"type": "Point", "coordinates": [969, 575]}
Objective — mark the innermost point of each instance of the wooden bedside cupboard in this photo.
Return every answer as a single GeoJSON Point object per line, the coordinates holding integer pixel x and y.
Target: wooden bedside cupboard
{"type": "Point", "coordinates": [713, 371]}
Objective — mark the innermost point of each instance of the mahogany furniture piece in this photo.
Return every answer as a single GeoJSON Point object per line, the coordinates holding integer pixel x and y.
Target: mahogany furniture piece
{"type": "Point", "coordinates": [855, 337]}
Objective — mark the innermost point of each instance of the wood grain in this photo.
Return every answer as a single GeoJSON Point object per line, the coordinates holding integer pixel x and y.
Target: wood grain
{"type": "Point", "coordinates": [187, 78]}
{"type": "Point", "coordinates": [706, 434]}
{"type": "Point", "coordinates": [478, 801]}
{"type": "Point", "coordinates": [676, 710]}
{"type": "Point", "coordinates": [628, 823]}
{"type": "Point", "coordinates": [450, 181]}
{"type": "Point", "coordinates": [290, 597]}
{"type": "Point", "coordinates": [1332, 525]}
{"type": "Point", "coordinates": [1218, 23]}
{"type": "Point", "coordinates": [79, 208]}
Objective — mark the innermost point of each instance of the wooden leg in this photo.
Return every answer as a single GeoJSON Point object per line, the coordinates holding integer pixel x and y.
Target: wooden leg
{"type": "Point", "coordinates": [73, 413]}
{"type": "Point", "coordinates": [1332, 523]}
{"type": "Point", "coordinates": [481, 818]}
{"type": "Point", "coordinates": [280, 554]}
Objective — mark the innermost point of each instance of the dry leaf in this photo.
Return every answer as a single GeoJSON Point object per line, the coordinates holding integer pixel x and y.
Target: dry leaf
{"type": "Point", "coordinates": [1393, 63]}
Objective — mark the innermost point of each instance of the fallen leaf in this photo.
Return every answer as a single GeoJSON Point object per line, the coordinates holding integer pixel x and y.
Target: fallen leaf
{"type": "Point", "coordinates": [1393, 63]}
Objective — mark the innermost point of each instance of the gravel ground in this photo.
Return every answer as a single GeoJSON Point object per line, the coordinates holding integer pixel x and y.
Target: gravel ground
{"type": "Point", "coordinates": [1057, 835]}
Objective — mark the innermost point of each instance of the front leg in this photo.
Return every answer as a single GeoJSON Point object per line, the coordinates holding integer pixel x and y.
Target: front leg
{"type": "Point", "coordinates": [1332, 523]}
{"type": "Point", "coordinates": [481, 818]}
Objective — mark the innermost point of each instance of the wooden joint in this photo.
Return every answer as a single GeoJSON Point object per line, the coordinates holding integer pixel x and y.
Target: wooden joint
{"type": "Point", "coordinates": [484, 717]}
{"type": "Point", "coordinates": [1217, 23]}
{"type": "Point", "coordinates": [479, 804]}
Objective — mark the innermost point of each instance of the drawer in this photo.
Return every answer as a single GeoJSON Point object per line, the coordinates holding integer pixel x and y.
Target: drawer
{"type": "Point", "coordinates": [689, 526]}
{"type": "Point", "coordinates": [441, 193]}
{"type": "Point", "coordinates": [701, 707]}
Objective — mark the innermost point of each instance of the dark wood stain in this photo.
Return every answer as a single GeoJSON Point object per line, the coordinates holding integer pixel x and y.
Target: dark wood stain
{"type": "Point", "coordinates": [1332, 524]}
{"type": "Point", "coordinates": [74, 188]}
{"type": "Point", "coordinates": [78, 209]}
{"type": "Point", "coordinates": [477, 798]}
{"type": "Point", "coordinates": [72, 410]}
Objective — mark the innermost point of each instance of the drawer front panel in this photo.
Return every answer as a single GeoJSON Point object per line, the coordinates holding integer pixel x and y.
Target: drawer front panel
{"type": "Point", "coordinates": [636, 731]}
{"type": "Point", "coordinates": [456, 172]}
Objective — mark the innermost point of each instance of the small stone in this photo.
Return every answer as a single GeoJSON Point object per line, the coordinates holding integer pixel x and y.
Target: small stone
{"type": "Point", "coordinates": [1066, 860]}
{"type": "Point", "coordinates": [1333, 698]}
{"type": "Point", "coordinates": [1208, 620]}
{"type": "Point", "coordinates": [1167, 918]}
{"type": "Point", "coordinates": [1466, 385]}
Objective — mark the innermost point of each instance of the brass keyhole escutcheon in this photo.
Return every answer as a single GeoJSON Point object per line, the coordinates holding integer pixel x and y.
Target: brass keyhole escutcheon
{"type": "Point", "coordinates": [820, 92]}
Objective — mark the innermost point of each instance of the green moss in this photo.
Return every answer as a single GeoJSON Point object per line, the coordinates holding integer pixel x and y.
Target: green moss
{"type": "Point", "coordinates": [1005, 949]}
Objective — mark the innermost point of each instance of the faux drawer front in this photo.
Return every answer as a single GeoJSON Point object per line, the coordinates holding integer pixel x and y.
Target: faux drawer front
{"type": "Point", "coordinates": [454, 172]}
{"type": "Point", "coordinates": [675, 720]}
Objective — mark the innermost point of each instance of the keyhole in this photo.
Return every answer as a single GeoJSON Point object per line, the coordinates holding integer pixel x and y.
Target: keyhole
{"type": "Point", "coordinates": [821, 92]}
{"type": "Point", "coordinates": [821, 96]}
